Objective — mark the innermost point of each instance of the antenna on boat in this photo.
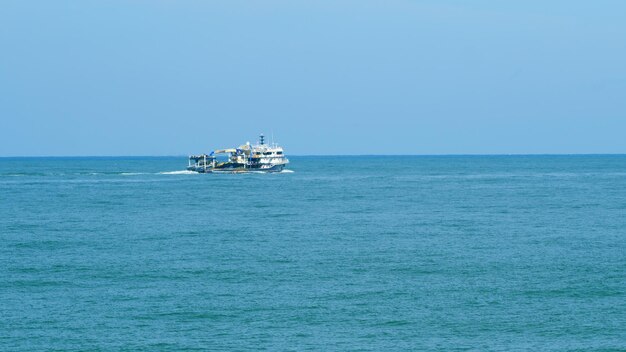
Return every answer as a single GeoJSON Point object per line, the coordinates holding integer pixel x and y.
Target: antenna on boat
{"type": "Point", "coordinates": [273, 144]}
{"type": "Point", "coordinates": [261, 139]}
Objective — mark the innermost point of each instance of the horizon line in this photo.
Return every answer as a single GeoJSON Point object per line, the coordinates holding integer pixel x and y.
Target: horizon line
{"type": "Point", "coordinates": [320, 155]}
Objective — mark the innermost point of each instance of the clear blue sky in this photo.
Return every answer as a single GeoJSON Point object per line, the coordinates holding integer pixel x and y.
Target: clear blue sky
{"type": "Point", "coordinates": [328, 77]}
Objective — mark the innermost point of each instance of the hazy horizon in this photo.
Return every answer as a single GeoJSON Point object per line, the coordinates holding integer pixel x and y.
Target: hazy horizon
{"type": "Point", "coordinates": [318, 155]}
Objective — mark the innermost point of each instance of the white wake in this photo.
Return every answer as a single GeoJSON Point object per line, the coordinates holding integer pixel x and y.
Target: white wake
{"type": "Point", "coordinates": [180, 172]}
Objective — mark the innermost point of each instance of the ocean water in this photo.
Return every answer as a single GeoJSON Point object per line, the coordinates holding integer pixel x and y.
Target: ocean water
{"type": "Point", "coordinates": [504, 253]}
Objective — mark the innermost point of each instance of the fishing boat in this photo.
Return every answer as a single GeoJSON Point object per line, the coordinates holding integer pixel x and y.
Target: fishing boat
{"type": "Point", "coordinates": [260, 157]}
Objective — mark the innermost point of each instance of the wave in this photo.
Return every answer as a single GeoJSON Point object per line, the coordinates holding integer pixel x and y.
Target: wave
{"type": "Point", "coordinates": [22, 174]}
{"type": "Point", "coordinates": [116, 173]}
{"type": "Point", "coordinates": [132, 173]}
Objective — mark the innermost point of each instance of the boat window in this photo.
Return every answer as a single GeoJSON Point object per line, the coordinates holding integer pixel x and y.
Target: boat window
{"type": "Point", "coordinates": [279, 153]}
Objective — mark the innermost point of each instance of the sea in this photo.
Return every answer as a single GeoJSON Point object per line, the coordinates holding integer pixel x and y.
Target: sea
{"type": "Point", "coordinates": [339, 253]}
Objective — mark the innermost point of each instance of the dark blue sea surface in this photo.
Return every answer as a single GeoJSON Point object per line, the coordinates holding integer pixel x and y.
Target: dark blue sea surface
{"type": "Point", "coordinates": [508, 253]}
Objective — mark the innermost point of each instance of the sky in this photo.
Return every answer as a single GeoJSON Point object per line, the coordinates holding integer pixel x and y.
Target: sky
{"type": "Point", "coordinates": [158, 77]}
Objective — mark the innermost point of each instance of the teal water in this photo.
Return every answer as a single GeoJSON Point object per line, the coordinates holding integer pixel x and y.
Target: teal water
{"type": "Point", "coordinates": [508, 253]}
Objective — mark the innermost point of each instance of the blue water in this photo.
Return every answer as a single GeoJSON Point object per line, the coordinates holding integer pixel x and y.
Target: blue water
{"type": "Point", "coordinates": [507, 253]}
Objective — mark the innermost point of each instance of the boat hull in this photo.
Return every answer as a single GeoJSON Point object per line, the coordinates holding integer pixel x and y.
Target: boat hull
{"type": "Point", "coordinates": [237, 169]}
